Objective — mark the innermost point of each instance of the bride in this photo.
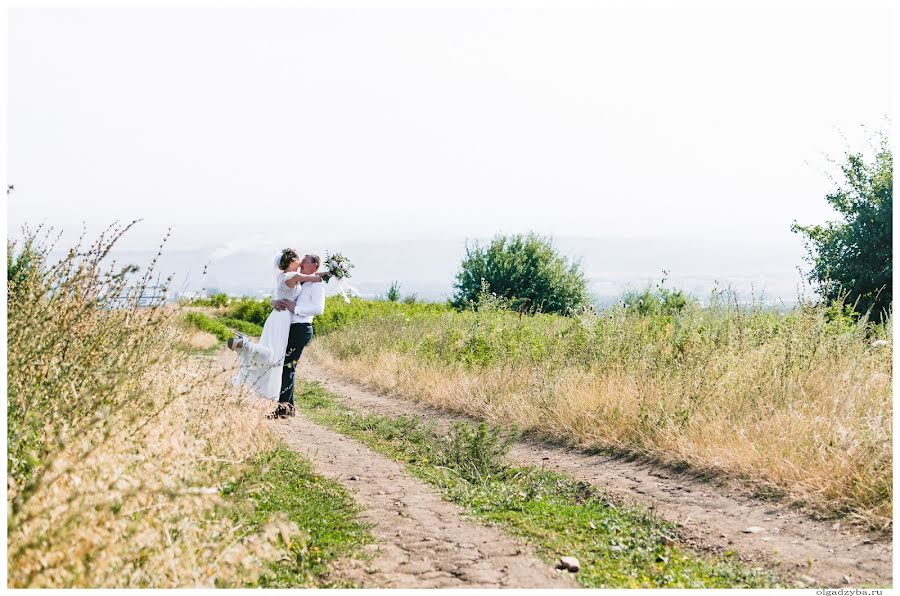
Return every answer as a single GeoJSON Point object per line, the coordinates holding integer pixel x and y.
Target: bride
{"type": "Point", "coordinates": [261, 362]}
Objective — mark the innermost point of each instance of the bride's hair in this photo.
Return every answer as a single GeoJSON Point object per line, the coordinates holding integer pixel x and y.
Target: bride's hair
{"type": "Point", "coordinates": [287, 255]}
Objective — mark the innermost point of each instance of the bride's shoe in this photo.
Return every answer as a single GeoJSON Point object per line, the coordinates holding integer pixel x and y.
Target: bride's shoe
{"type": "Point", "coordinates": [236, 342]}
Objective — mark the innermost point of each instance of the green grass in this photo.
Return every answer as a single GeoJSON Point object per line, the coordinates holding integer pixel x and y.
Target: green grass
{"type": "Point", "coordinates": [282, 483]}
{"type": "Point", "coordinates": [338, 313]}
{"type": "Point", "coordinates": [221, 327]}
{"type": "Point", "coordinates": [795, 399]}
{"type": "Point", "coordinates": [244, 327]}
{"type": "Point", "coordinates": [204, 322]}
{"type": "Point", "coordinates": [617, 546]}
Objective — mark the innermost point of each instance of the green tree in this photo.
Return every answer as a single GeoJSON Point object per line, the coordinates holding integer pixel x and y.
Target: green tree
{"type": "Point", "coordinates": [852, 259]}
{"type": "Point", "coordinates": [393, 293]}
{"type": "Point", "coordinates": [525, 271]}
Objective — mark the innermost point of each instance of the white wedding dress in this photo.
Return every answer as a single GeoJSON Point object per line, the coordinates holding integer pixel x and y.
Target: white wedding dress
{"type": "Point", "coordinates": [261, 362]}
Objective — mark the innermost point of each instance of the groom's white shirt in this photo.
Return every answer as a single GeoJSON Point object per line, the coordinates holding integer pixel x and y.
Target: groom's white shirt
{"type": "Point", "coordinates": [310, 302]}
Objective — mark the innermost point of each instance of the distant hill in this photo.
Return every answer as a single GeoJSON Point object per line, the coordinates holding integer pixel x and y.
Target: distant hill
{"type": "Point", "coordinates": [427, 268]}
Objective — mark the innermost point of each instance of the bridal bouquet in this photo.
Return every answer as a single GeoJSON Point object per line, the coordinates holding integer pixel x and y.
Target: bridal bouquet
{"type": "Point", "coordinates": [339, 266]}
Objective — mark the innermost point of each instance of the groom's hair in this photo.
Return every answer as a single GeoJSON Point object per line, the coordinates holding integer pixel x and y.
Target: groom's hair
{"type": "Point", "coordinates": [315, 259]}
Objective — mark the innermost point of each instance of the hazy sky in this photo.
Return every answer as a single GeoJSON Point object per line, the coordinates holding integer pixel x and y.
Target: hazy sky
{"type": "Point", "coordinates": [263, 128]}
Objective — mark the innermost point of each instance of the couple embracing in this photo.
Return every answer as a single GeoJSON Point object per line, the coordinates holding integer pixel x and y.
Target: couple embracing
{"type": "Point", "coordinates": [268, 367]}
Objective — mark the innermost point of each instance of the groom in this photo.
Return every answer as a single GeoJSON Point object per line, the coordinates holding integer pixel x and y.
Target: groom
{"type": "Point", "coordinates": [310, 302]}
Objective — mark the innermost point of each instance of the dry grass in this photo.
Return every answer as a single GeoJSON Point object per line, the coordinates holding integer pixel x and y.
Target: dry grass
{"type": "Point", "coordinates": [794, 403]}
{"type": "Point", "coordinates": [117, 442]}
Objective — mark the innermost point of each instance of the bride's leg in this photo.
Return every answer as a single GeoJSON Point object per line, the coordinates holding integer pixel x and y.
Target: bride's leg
{"type": "Point", "coordinates": [258, 352]}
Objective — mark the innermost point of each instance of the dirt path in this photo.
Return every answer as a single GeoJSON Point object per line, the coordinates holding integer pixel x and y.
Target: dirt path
{"type": "Point", "coordinates": [807, 551]}
{"type": "Point", "coordinates": [422, 541]}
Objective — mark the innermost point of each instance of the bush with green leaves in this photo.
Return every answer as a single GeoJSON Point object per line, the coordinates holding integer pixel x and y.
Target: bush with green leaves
{"type": "Point", "coordinates": [661, 301]}
{"type": "Point", "coordinates": [393, 293]}
{"type": "Point", "coordinates": [524, 270]}
{"type": "Point", "coordinates": [204, 322]}
{"type": "Point", "coordinates": [251, 310]}
{"type": "Point", "coordinates": [852, 259]}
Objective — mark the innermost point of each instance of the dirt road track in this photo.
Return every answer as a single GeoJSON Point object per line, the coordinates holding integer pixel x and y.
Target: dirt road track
{"type": "Point", "coordinates": [710, 517]}
{"type": "Point", "coordinates": [422, 541]}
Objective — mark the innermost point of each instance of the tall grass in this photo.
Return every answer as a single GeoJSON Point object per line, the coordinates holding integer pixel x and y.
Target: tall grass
{"type": "Point", "coordinates": [796, 402]}
{"type": "Point", "coordinates": [117, 442]}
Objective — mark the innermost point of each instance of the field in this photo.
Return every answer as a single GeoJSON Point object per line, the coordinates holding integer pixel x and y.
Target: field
{"type": "Point", "coordinates": [131, 463]}
{"type": "Point", "coordinates": [795, 404]}
{"type": "Point", "coordinates": [121, 423]}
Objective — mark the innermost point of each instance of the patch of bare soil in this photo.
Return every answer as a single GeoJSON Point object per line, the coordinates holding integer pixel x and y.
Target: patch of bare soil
{"type": "Point", "coordinates": [422, 541]}
{"type": "Point", "coordinates": [710, 517]}
{"type": "Point", "coordinates": [201, 340]}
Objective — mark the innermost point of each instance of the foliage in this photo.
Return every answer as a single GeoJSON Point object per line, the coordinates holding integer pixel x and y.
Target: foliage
{"type": "Point", "coordinates": [204, 322]}
{"type": "Point", "coordinates": [618, 546]}
{"type": "Point", "coordinates": [245, 327]}
{"type": "Point", "coordinates": [60, 319]}
{"type": "Point", "coordinates": [661, 301]}
{"type": "Point", "coordinates": [393, 293]}
{"type": "Point", "coordinates": [338, 313]}
{"type": "Point", "coordinates": [218, 300]}
{"type": "Point", "coordinates": [26, 263]}
{"type": "Point", "coordinates": [852, 259]}
{"type": "Point", "coordinates": [251, 310]}
{"type": "Point", "coordinates": [475, 453]}
{"type": "Point", "coordinates": [116, 441]}
{"type": "Point", "coordinates": [215, 300]}
{"type": "Point", "coordinates": [796, 400]}
{"type": "Point", "coordinates": [526, 271]}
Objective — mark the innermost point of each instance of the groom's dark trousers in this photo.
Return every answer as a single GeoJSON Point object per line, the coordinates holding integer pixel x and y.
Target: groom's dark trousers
{"type": "Point", "coordinates": [299, 336]}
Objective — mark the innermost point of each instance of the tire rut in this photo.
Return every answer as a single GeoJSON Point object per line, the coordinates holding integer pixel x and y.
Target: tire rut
{"type": "Point", "coordinates": [422, 541]}
{"type": "Point", "coordinates": [805, 550]}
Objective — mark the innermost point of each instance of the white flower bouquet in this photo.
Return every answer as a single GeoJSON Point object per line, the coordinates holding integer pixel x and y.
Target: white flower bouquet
{"type": "Point", "coordinates": [339, 266]}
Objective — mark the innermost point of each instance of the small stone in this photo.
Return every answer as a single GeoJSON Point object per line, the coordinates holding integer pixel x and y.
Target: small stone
{"type": "Point", "coordinates": [723, 536]}
{"type": "Point", "coordinates": [591, 524]}
{"type": "Point", "coordinates": [846, 579]}
{"type": "Point", "coordinates": [880, 343]}
{"type": "Point", "coordinates": [808, 580]}
{"type": "Point", "coordinates": [665, 541]}
{"type": "Point", "coordinates": [752, 530]}
{"type": "Point", "coordinates": [570, 564]}
{"type": "Point", "coordinates": [354, 478]}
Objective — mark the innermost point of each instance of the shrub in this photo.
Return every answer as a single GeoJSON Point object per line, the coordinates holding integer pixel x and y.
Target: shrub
{"type": "Point", "coordinates": [338, 313]}
{"type": "Point", "coordinates": [852, 259]}
{"type": "Point", "coordinates": [206, 323]}
{"type": "Point", "coordinates": [245, 327]}
{"type": "Point", "coordinates": [526, 271]}
{"type": "Point", "coordinates": [219, 299]}
{"type": "Point", "coordinates": [115, 441]}
{"type": "Point", "coordinates": [251, 310]}
{"type": "Point", "coordinates": [393, 293]}
{"type": "Point", "coordinates": [476, 454]}
{"type": "Point", "coordinates": [661, 301]}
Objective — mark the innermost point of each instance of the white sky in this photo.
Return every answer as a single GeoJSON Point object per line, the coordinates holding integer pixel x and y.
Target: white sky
{"type": "Point", "coordinates": [275, 127]}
